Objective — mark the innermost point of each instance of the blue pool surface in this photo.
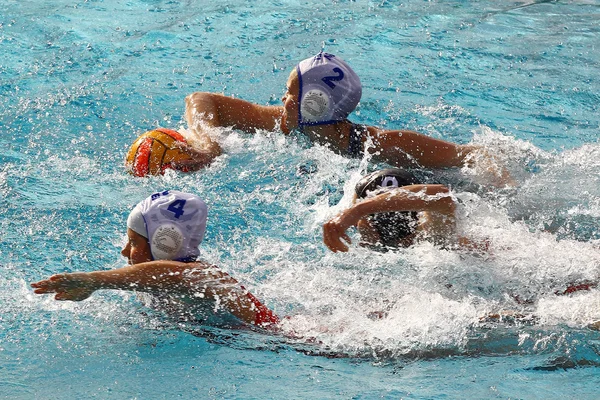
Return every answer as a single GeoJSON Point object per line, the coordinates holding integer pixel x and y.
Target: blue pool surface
{"type": "Point", "coordinates": [79, 81]}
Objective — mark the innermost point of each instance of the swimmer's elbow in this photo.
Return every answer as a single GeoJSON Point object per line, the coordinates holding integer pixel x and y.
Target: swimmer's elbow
{"type": "Point", "coordinates": [196, 98]}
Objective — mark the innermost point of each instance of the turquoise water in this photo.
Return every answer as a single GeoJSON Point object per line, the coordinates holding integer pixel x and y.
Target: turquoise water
{"type": "Point", "coordinates": [80, 80]}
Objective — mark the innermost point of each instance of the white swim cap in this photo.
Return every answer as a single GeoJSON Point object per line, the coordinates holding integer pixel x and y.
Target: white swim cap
{"type": "Point", "coordinates": [329, 90]}
{"type": "Point", "coordinates": [173, 222]}
{"type": "Point", "coordinates": [136, 222]}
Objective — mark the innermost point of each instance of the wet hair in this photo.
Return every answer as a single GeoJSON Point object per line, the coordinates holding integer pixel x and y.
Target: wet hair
{"type": "Point", "coordinates": [393, 226]}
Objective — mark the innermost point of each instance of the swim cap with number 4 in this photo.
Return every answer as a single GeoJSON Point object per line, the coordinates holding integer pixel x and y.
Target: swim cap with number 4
{"type": "Point", "coordinates": [173, 222]}
{"type": "Point", "coordinates": [329, 89]}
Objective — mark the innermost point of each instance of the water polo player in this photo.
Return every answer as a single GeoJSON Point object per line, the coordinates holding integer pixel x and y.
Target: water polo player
{"type": "Point", "coordinates": [321, 92]}
{"type": "Point", "coordinates": [391, 209]}
{"type": "Point", "coordinates": [164, 232]}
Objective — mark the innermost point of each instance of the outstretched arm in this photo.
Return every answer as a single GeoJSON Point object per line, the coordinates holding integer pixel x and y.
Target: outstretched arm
{"type": "Point", "coordinates": [403, 148]}
{"type": "Point", "coordinates": [197, 281]}
{"type": "Point", "coordinates": [433, 198]}
{"type": "Point", "coordinates": [153, 277]}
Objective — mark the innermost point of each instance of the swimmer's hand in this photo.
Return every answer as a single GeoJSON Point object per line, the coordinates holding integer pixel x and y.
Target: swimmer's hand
{"type": "Point", "coordinates": [199, 158]}
{"type": "Point", "coordinates": [73, 287]}
{"type": "Point", "coordinates": [332, 235]}
{"type": "Point", "coordinates": [489, 165]}
{"type": "Point", "coordinates": [334, 231]}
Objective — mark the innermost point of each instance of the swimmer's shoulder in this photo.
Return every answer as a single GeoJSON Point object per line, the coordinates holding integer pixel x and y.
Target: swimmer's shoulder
{"type": "Point", "coordinates": [375, 131]}
{"type": "Point", "coordinates": [207, 269]}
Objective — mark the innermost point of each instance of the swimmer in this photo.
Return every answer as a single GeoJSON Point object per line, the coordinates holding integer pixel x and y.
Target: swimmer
{"type": "Point", "coordinates": [321, 92]}
{"type": "Point", "coordinates": [392, 209]}
{"type": "Point", "coordinates": [164, 232]}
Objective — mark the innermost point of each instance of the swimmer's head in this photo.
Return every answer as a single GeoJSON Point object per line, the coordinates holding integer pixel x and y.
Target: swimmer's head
{"type": "Point", "coordinates": [382, 180]}
{"type": "Point", "coordinates": [173, 222]}
{"type": "Point", "coordinates": [393, 227]}
{"type": "Point", "coordinates": [329, 90]}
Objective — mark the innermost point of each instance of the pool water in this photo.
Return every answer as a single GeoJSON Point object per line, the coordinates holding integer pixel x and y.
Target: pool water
{"type": "Point", "coordinates": [80, 80]}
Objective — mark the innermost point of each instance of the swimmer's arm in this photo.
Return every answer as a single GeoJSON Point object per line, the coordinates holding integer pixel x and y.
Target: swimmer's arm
{"type": "Point", "coordinates": [217, 110]}
{"type": "Point", "coordinates": [153, 277]}
{"type": "Point", "coordinates": [431, 198]}
{"type": "Point", "coordinates": [406, 147]}
{"type": "Point", "coordinates": [403, 148]}
{"type": "Point", "coordinates": [197, 281]}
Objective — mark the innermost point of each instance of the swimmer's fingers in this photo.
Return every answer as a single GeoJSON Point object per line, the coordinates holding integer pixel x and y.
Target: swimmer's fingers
{"type": "Point", "coordinates": [181, 145]}
{"type": "Point", "coordinates": [50, 285]}
{"type": "Point", "coordinates": [347, 239]}
{"type": "Point", "coordinates": [332, 235]}
{"type": "Point", "coordinates": [184, 163]}
{"type": "Point", "coordinates": [335, 244]}
{"type": "Point", "coordinates": [207, 147]}
{"type": "Point", "coordinates": [185, 147]}
{"type": "Point", "coordinates": [77, 294]}
{"type": "Point", "coordinates": [40, 287]}
{"type": "Point", "coordinates": [192, 151]}
{"type": "Point", "coordinates": [44, 291]}
{"type": "Point", "coordinates": [188, 165]}
{"type": "Point", "coordinates": [75, 286]}
{"type": "Point", "coordinates": [199, 158]}
{"type": "Point", "coordinates": [66, 287]}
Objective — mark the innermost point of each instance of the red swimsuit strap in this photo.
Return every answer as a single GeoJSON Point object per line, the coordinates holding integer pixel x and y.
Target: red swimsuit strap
{"type": "Point", "coordinates": [264, 316]}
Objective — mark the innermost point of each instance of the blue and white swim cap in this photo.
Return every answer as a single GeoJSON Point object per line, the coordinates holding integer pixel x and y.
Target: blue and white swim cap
{"type": "Point", "coordinates": [329, 90]}
{"type": "Point", "coordinates": [173, 222]}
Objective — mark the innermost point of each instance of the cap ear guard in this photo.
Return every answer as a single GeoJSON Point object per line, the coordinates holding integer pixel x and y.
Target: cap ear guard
{"type": "Point", "coordinates": [166, 242]}
{"type": "Point", "coordinates": [329, 90]}
{"type": "Point", "coordinates": [315, 106]}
